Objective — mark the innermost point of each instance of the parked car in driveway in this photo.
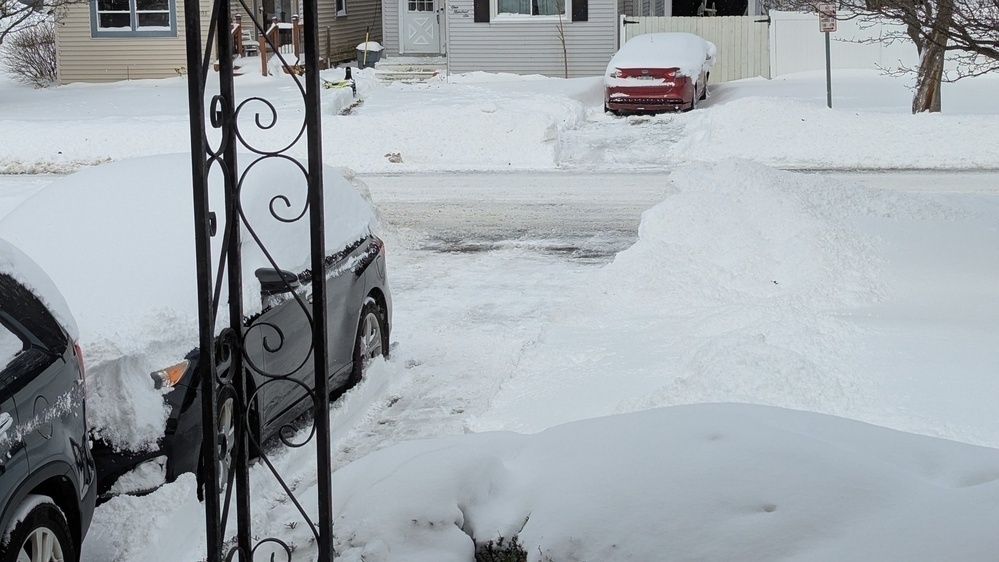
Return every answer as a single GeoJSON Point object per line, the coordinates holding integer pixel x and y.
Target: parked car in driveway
{"type": "Point", "coordinates": [47, 474]}
{"type": "Point", "coordinates": [659, 72]}
{"type": "Point", "coordinates": [120, 238]}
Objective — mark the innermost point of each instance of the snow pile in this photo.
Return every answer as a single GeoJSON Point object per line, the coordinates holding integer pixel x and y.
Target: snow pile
{"type": "Point", "coordinates": [120, 238]}
{"type": "Point", "coordinates": [712, 482]}
{"type": "Point", "coordinates": [796, 134]}
{"type": "Point", "coordinates": [481, 121]}
{"type": "Point", "coordinates": [436, 125]}
{"type": "Point", "coordinates": [740, 287]}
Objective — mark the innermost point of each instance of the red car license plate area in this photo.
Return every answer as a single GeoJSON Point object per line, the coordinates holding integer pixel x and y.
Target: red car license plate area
{"type": "Point", "coordinates": [648, 90]}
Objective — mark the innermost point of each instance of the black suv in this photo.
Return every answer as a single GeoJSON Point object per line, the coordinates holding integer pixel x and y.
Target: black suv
{"type": "Point", "coordinates": [47, 477]}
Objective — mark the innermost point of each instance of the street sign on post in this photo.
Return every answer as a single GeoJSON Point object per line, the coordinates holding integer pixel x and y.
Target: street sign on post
{"type": "Point", "coordinates": [827, 17]}
{"type": "Point", "coordinates": [827, 25]}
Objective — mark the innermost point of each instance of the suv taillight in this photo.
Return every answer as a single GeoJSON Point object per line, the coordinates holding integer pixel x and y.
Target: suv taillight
{"type": "Point", "coordinates": [79, 360]}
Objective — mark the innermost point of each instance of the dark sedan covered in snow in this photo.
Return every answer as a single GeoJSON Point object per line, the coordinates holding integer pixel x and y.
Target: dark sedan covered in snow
{"type": "Point", "coordinates": [120, 239]}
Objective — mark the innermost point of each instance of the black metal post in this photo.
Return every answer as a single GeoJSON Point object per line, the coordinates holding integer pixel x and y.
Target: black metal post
{"type": "Point", "coordinates": [240, 460]}
{"type": "Point", "coordinates": [828, 74]}
{"type": "Point", "coordinates": [202, 239]}
{"type": "Point", "coordinates": [318, 233]}
{"type": "Point", "coordinates": [224, 366]}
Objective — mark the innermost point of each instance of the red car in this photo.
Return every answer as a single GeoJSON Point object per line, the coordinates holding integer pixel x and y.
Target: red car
{"type": "Point", "coordinates": [659, 72]}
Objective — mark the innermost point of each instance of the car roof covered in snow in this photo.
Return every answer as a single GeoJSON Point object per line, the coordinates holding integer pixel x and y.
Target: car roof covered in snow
{"type": "Point", "coordinates": [685, 51]}
{"type": "Point", "coordinates": [24, 270]}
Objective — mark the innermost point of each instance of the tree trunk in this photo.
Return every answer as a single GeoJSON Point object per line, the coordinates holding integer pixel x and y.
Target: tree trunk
{"type": "Point", "coordinates": [931, 60]}
{"type": "Point", "coordinates": [928, 79]}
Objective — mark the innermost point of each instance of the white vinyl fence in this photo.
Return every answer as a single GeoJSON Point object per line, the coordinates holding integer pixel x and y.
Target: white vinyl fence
{"type": "Point", "coordinates": [796, 45]}
{"type": "Point", "coordinates": [743, 42]}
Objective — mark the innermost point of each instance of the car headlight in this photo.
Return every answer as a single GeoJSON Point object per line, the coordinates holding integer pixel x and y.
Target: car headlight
{"type": "Point", "coordinates": [167, 378]}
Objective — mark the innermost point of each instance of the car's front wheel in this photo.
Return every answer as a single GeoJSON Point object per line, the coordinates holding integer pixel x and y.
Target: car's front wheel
{"type": "Point", "coordinates": [371, 340]}
{"type": "Point", "coordinates": [42, 535]}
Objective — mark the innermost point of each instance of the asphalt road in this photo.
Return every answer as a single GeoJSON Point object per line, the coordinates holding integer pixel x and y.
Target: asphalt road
{"type": "Point", "coordinates": [577, 214]}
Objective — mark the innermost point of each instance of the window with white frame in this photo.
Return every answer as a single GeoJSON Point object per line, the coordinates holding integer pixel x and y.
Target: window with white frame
{"type": "Point", "coordinates": [341, 8]}
{"type": "Point", "coordinates": [531, 7]}
{"type": "Point", "coordinates": [133, 18]}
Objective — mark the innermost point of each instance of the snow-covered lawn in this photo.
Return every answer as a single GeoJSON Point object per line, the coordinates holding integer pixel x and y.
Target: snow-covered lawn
{"type": "Point", "coordinates": [501, 122]}
{"type": "Point", "coordinates": [799, 294]}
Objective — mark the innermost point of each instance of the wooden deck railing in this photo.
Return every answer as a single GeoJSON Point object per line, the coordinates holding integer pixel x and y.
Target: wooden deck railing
{"type": "Point", "coordinates": [274, 34]}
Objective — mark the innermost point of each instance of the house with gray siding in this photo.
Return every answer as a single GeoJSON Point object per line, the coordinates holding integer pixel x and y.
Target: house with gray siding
{"type": "Point", "coordinates": [551, 37]}
{"type": "Point", "coordinates": [111, 40]}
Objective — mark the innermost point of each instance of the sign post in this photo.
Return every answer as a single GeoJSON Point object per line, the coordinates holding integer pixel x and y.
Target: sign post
{"type": "Point", "coordinates": [827, 25]}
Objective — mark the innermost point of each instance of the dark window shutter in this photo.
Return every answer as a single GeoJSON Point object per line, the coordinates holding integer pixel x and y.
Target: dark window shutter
{"type": "Point", "coordinates": [580, 10]}
{"type": "Point", "coordinates": [481, 11]}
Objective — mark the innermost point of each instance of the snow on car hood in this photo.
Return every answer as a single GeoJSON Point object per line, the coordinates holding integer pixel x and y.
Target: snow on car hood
{"type": "Point", "coordinates": [118, 239]}
{"type": "Point", "coordinates": [685, 51]}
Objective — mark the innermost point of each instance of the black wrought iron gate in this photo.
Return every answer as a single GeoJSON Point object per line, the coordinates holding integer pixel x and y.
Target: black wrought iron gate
{"type": "Point", "coordinates": [223, 367]}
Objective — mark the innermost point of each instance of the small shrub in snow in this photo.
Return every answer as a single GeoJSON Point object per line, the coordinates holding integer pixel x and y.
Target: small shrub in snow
{"type": "Point", "coordinates": [29, 56]}
{"type": "Point", "coordinates": [501, 551]}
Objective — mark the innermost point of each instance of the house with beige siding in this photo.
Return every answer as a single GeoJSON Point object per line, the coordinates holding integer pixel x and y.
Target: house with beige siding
{"type": "Point", "coordinates": [111, 40]}
{"type": "Point", "coordinates": [518, 36]}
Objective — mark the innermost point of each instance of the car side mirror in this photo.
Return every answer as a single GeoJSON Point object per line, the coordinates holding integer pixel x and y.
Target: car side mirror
{"type": "Point", "coordinates": [276, 281]}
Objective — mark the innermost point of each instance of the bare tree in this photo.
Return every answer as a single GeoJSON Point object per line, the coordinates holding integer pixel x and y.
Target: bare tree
{"type": "Point", "coordinates": [964, 31]}
{"type": "Point", "coordinates": [16, 15]}
{"type": "Point", "coordinates": [560, 30]}
{"type": "Point", "coordinates": [29, 56]}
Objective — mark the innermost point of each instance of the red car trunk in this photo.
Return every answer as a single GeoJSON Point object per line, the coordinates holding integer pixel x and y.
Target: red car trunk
{"type": "Point", "coordinates": [649, 89]}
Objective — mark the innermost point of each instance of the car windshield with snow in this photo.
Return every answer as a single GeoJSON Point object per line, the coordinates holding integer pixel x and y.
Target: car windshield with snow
{"type": "Point", "coordinates": [47, 474]}
{"type": "Point", "coordinates": [120, 238]}
{"type": "Point", "coordinates": [658, 72]}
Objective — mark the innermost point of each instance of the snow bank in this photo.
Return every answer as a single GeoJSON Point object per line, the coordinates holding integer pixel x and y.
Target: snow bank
{"type": "Point", "coordinates": [796, 134]}
{"type": "Point", "coordinates": [742, 287]}
{"type": "Point", "coordinates": [120, 238]}
{"type": "Point", "coordinates": [713, 482]}
{"type": "Point", "coordinates": [435, 126]}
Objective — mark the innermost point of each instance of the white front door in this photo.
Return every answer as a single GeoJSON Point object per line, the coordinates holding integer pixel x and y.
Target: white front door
{"type": "Point", "coordinates": [421, 27]}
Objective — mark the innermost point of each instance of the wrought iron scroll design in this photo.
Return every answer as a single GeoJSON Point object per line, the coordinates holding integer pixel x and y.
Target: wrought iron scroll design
{"type": "Point", "coordinates": [230, 380]}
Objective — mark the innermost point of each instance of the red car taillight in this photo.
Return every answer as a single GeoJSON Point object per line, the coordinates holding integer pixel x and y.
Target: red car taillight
{"type": "Point", "coordinates": [619, 74]}
{"type": "Point", "coordinates": [79, 361]}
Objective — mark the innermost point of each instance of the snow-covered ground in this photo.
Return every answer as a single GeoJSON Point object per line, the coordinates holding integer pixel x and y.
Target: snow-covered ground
{"type": "Point", "coordinates": [745, 284]}
{"type": "Point", "coordinates": [500, 122]}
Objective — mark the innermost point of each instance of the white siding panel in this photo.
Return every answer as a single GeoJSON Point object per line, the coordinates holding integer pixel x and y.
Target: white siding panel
{"type": "Point", "coordinates": [743, 42]}
{"type": "Point", "coordinates": [531, 45]}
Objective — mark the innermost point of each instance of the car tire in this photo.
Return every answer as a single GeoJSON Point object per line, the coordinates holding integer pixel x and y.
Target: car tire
{"type": "Point", "coordinates": [42, 535]}
{"type": "Point", "coordinates": [228, 427]}
{"type": "Point", "coordinates": [372, 339]}
{"type": "Point", "coordinates": [227, 438]}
